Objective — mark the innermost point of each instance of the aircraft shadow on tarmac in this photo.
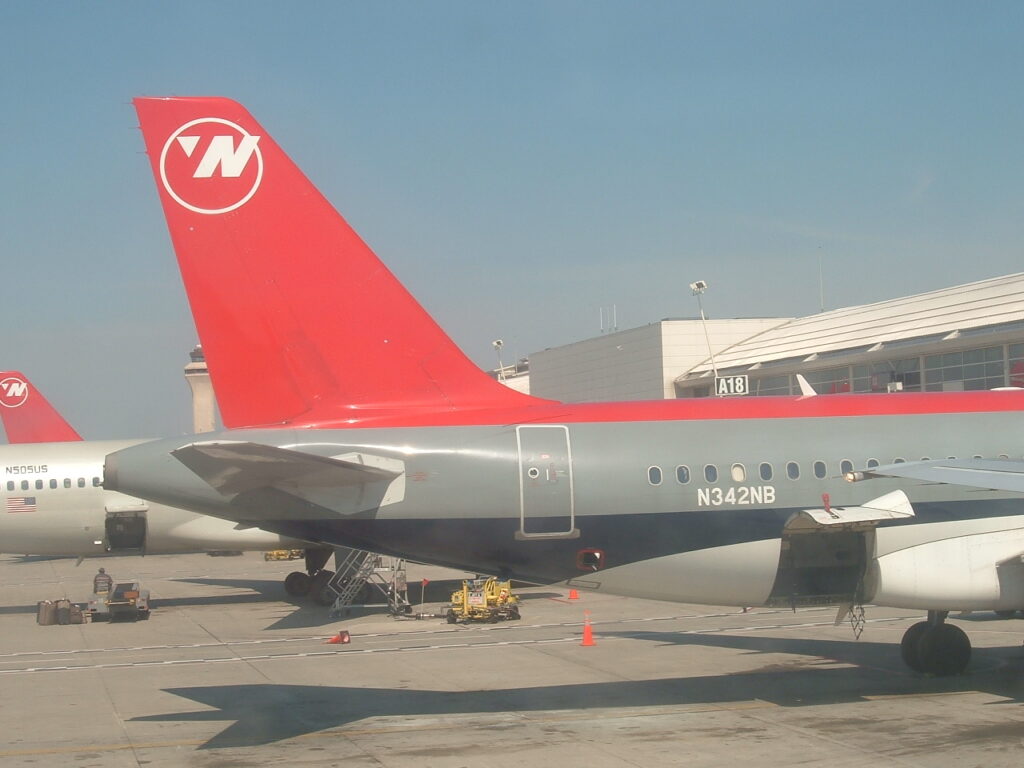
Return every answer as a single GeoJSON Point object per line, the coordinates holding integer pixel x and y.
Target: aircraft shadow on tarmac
{"type": "Point", "coordinates": [264, 714]}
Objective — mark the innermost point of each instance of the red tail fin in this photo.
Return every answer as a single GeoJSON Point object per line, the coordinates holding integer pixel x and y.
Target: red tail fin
{"type": "Point", "coordinates": [296, 314]}
{"type": "Point", "coordinates": [26, 414]}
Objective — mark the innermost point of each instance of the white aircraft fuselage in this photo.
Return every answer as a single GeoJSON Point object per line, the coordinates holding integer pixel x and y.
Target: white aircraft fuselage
{"type": "Point", "coordinates": [54, 504]}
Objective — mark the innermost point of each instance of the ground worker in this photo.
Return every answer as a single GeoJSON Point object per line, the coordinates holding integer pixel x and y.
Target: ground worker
{"type": "Point", "coordinates": [101, 582]}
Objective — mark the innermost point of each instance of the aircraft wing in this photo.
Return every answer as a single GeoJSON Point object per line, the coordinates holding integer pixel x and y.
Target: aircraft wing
{"type": "Point", "coordinates": [991, 474]}
{"type": "Point", "coordinates": [235, 467]}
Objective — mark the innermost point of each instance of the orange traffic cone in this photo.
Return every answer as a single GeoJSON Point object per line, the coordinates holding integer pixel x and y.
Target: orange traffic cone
{"type": "Point", "coordinates": [588, 633]}
{"type": "Point", "coordinates": [574, 595]}
{"type": "Point", "coordinates": [342, 638]}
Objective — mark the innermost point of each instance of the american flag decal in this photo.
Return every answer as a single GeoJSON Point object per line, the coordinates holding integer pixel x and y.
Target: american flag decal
{"type": "Point", "coordinates": [21, 504]}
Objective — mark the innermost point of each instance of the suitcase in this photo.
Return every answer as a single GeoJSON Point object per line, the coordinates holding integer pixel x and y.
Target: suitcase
{"type": "Point", "coordinates": [46, 613]}
{"type": "Point", "coordinates": [77, 617]}
{"type": "Point", "coordinates": [63, 611]}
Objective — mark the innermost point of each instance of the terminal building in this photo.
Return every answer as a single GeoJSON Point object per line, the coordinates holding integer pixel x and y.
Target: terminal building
{"type": "Point", "coordinates": [967, 337]}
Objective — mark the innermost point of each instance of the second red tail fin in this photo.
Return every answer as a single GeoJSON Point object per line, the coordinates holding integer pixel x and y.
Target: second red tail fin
{"type": "Point", "coordinates": [26, 414]}
{"type": "Point", "coordinates": [297, 316]}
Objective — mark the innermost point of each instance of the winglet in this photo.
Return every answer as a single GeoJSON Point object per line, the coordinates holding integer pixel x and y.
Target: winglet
{"type": "Point", "coordinates": [300, 321]}
{"type": "Point", "coordinates": [26, 414]}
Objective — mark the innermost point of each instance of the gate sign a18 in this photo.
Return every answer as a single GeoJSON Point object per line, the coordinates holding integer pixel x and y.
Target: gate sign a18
{"type": "Point", "coordinates": [732, 385]}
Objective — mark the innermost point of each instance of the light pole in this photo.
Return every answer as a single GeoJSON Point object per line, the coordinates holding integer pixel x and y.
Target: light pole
{"type": "Point", "coordinates": [698, 289]}
{"type": "Point", "coordinates": [498, 344]}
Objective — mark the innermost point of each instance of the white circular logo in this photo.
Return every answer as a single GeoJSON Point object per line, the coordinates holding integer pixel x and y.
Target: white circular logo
{"type": "Point", "coordinates": [211, 165]}
{"type": "Point", "coordinates": [13, 392]}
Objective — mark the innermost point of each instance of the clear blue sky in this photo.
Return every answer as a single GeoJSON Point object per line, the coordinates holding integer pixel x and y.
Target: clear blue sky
{"type": "Point", "coordinates": [518, 165]}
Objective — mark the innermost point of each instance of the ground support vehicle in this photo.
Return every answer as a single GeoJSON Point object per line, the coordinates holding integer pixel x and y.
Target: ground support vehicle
{"type": "Point", "coordinates": [284, 554]}
{"type": "Point", "coordinates": [483, 599]}
{"type": "Point", "coordinates": [127, 601]}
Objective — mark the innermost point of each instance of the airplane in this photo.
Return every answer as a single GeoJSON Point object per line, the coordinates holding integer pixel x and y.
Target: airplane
{"type": "Point", "coordinates": [55, 505]}
{"type": "Point", "coordinates": [352, 419]}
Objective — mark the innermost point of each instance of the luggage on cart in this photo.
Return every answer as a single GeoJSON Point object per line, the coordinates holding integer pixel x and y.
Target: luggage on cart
{"type": "Point", "coordinates": [46, 613]}
{"type": "Point", "coordinates": [63, 611]}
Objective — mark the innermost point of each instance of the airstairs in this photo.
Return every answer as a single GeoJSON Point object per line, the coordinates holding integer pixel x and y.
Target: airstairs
{"type": "Point", "coordinates": [367, 575]}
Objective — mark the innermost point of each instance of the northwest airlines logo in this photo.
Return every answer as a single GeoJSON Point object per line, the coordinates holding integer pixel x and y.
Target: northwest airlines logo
{"type": "Point", "coordinates": [13, 392]}
{"type": "Point", "coordinates": [211, 165]}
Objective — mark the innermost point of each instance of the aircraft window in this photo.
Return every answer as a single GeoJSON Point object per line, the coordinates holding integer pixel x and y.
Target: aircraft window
{"type": "Point", "coordinates": [872, 463]}
{"type": "Point", "coordinates": [81, 482]}
{"type": "Point", "coordinates": [654, 475]}
{"type": "Point", "coordinates": [24, 485]}
{"type": "Point", "coordinates": [978, 456]}
{"type": "Point", "coordinates": [819, 469]}
{"type": "Point", "coordinates": [711, 473]}
{"type": "Point", "coordinates": [766, 471]}
{"type": "Point", "coordinates": [793, 470]}
{"type": "Point", "coordinates": [39, 485]}
{"type": "Point", "coordinates": [925, 458]}
{"type": "Point", "coordinates": [95, 482]}
{"type": "Point", "coordinates": [53, 483]}
{"type": "Point", "coordinates": [951, 458]}
{"type": "Point", "coordinates": [67, 482]}
{"type": "Point", "coordinates": [739, 473]}
{"type": "Point", "coordinates": [10, 485]}
{"type": "Point", "coordinates": [682, 474]}
{"type": "Point", "coordinates": [899, 461]}
{"type": "Point", "coordinates": [1004, 456]}
{"type": "Point", "coordinates": [845, 466]}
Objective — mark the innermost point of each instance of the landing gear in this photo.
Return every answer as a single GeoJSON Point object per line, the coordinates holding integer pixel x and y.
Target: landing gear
{"type": "Point", "coordinates": [319, 592]}
{"type": "Point", "coordinates": [297, 584]}
{"type": "Point", "coordinates": [314, 581]}
{"type": "Point", "coordinates": [936, 647]}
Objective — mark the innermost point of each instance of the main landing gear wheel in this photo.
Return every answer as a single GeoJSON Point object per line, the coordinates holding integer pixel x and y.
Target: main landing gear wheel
{"type": "Point", "coordinates": [297, 584]}
{"type": "Point", "coordinates": [910, 643]}
{"type": "Point", "coordinates": [937, 648]}
{"type": "Point", "coordinates": [319, 592]}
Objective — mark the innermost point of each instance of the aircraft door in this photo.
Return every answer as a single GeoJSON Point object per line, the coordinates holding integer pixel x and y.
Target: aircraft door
{"type": "Point", "coordinates": [545, 483]}
{"type": "Point", "coordinates": [126, 531]}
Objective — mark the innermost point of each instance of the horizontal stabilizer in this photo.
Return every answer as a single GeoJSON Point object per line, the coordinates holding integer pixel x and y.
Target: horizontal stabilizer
{"type": "Point", "coordinates": [993, 474]}
{"type": "Point", "coordinates": [891, 506]}
{"type": "Point", "coordinates": [236, 467]}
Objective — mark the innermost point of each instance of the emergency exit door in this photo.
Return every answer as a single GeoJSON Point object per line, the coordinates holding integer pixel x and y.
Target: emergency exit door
{"type": "Point", "coordinates": [545, 483]}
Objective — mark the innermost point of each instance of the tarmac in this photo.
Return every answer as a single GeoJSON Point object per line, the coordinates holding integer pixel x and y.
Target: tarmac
{"type": "Point", "coordinates": [228, 671]}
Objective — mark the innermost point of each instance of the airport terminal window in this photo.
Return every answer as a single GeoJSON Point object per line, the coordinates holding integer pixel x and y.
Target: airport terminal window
{"type": "Point", "coordinates": [81, 482]}
{"type": "Point", "coordinates": [971, 370]}
{"type": "Point", "coordinates": [845, 466]}
{"type": "Point", "coordinates": [819, 469]}
{"type": "Point", "coordinates": [682, 474]}
{"type": "Point", "coordinates": [654, 475]}
{"type": "Point", "coordinates": [711, 473]}
{"type": "Point", "coordinates": [739, 473]}
{"type": "Point", "coordinates": [793, 470]}
{"type": "Point", "coordinates": [766, 471]}
{"type": "Point", "coordinates": [770, 385]}
{"type": "Point", "coordinates": [53, 484]}
{"type": "Point", "coordinates": [831, 382]}
{"type": "Point", "coordinates": [877, 377]}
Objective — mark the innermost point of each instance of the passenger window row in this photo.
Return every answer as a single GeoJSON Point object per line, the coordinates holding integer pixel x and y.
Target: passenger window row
{"type": "Point", "coordinates": [766, 471]}
{"type": "Point", "coordinates": [54, 483]}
